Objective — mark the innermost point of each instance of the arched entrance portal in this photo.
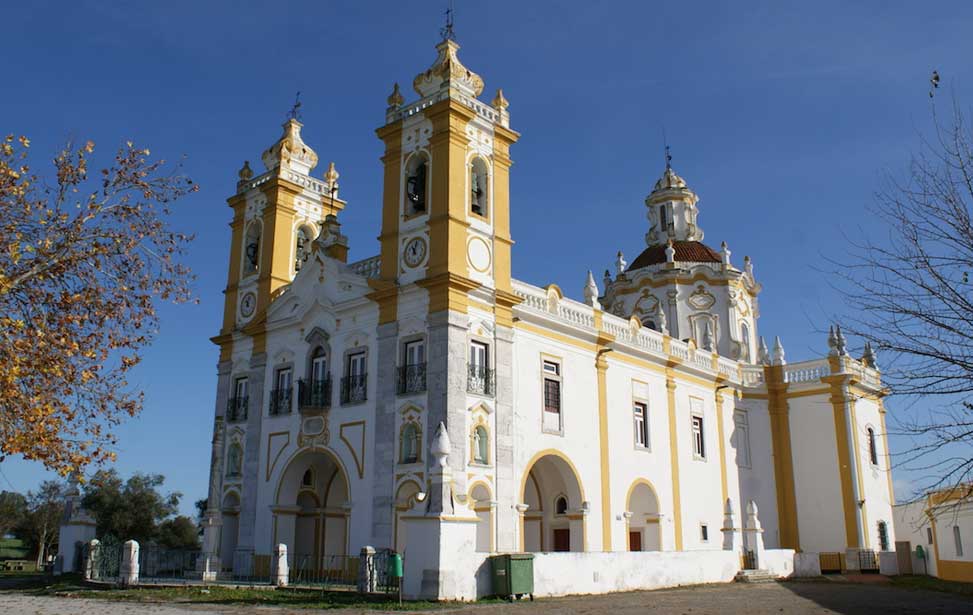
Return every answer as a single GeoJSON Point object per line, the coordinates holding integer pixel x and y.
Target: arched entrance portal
{"type": "Point", "coordinates": [643, 518]}
{"type": "Point", "coordinates": [311, 515]}
{"type": "Point", "coordinates": [555, 515]}
{"type": "Point", "coordinates": [482, 502]}
{"type": "Point", "coordinates": [230, 530]}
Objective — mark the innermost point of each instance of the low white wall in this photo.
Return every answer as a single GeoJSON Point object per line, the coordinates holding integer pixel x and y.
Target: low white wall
{"type": "Point", "coordinates": [888, 563]}
{"type": "Point", "coordinates": [562, 574]}
{"type": "Point", "coordinates": [807, 565]}
{"type": "Point", "coordinates": [779, 562]}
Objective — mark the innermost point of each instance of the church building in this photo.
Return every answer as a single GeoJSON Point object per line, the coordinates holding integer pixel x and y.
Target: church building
{"type": "Point", "coordinates": [355, 396]}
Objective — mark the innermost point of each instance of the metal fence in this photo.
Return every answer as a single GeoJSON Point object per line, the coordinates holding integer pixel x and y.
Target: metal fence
{"type": "Point", "coordinates": [386, 582]}
{"type": "Point", "coordinates": [832, 563]}
{"type": "Point", "coordinates": [245, 568]}
{"type": "Point", "coordinates": [325, 571]}
{"type": "Point", "coordinates": [106, 560]}
{"type": "Point", "coordinates": [159, 564]}
{"type": "Point", "coordinates": [749, 560]}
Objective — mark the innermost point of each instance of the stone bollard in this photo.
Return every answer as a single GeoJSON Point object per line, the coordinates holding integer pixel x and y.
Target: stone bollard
{"type": "Point", "coordinates": [128, 572]}
{"type": "Point", "coordinates": [755, 534]}
{"type": "Point", "coordinates": [367, 575]}
{"type": "Point", "coordinates": [280, 571]}
{"type": "Point", "coordinates": [731, 533]}
{"type": "Point", "coordinates": [90, 568]}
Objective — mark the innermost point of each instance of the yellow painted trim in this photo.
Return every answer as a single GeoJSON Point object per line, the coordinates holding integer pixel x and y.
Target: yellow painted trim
{"type": "Point", "coordinates": [780, 431]}
{"type": "Point", "coordinates": [359, 462]}
{"type": "Point", "coordinates": [935, 539]}
{"type": "Point", "coordinates": [674, 457]}
{"type": "Point", "coordinates": [601, 366]}
{"type": "Point", "coordinates": [557, 337]}
{"type": "Point", "coordinates": [844, 463]}
{"type": "Point", "coordinates": [954, 570]}
{"type": "Point", "coordinates": [718, 397]}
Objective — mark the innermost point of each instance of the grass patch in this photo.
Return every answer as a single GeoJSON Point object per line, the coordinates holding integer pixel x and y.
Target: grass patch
{"type": "Point", "coordinates": [933, 584]}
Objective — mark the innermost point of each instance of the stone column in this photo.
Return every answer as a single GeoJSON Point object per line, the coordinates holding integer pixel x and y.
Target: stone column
{"type": "Point", "coordinates": [755, 534]}
{"type": "Point", "coordinates": [731, 532]}
{"type": "Point", "coordinates": [90, 568]}
{"type": "Point", "coordinates": [506, 516]}
{"type": "Point", "coordinates": [367, 575]}
{"type": "Point", "coordinates": [129, 570]}
{"type": "Point", "coordinates": [386, 437]}
{"type": "Point", "coordinates": [251, 457]}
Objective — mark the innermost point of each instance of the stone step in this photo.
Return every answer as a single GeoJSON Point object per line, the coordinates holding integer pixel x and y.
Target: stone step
{"type": "Point", "coordinates": [755, 576]}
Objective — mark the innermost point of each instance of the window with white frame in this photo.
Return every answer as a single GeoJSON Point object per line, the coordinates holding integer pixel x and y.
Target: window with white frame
{"type": "Point", "coordinates": [640, 416]}
{"type": "Point", "coordinates": [699, 442]}
{"type": "Point", "coordinates": [415, 353]}
{"type": "Point", "coordinates": [741, 437]}
{"type": "Point", "coordinates": [552, 395]}
{"type": "Point", "coordinates": [242, 385]}
{"type": "Point", "coordinates": [957, 541]}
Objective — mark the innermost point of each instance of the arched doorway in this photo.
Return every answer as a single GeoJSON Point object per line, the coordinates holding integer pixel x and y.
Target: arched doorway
{"type": "Point", "coordinates": [230, 530]}
{"type": "Point", "coordinates": [642, 512]}
{"type": "Point", "coordinates": [311, 513]}
{"type": "Point", "coordinates": [555, 511]}
{"type": "Point", "coordinates": [405, 499]}
{"type": "Point", "coordinates": [482, 502]}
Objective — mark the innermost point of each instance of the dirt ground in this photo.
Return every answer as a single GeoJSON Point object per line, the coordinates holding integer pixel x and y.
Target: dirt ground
{"type": "Point", "coordinates": [730, 599]}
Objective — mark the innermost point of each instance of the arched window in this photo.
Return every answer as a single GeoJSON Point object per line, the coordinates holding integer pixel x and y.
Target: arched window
{"type": "Point", "coordinates": [872, 450]}
{"type": "Point", "coordinates": [745, 341]}
{"type": "Point", "coordinates": [409, 446]}
{"type": "Point", "coordinates": [251, 249]}
{"type": "Point", "coordinates": [663, 218]}
{"type": "Point", "coordinates": [308, 479]}
{"type": "Point", "coordinates": [481, 441]}
{"type": "Point", "coordinates": [234, 460]}
{"type": "Point", "coordinates": [479, 180]}
{"type": "Point", "coordinates": [883, 536]}
{"type": "Point", "coordinates": [561, 505]}
{"type": "Point", "coordinates": [303, 249]}
{"type": "Point", "coordinates": [416, 184]}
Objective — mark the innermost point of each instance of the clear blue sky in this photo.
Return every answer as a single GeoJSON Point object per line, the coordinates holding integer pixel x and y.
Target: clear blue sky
{"type": "Point", "coordinates": [782, 118]}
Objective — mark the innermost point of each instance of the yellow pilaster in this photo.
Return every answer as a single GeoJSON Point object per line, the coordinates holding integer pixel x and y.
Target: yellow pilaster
{"type": "Point", "coordinates": [858, 470]}
{"type": "Point", "coordinates": [674, 457]}
{"type": "Point", "coordinates": [601, 366]}
{"type": "Point", "coordinates": [721, 433]}
{"type": "Point", "coordinates": [849, 504]}
{"type": "Point", "coordinates": [780, 432]}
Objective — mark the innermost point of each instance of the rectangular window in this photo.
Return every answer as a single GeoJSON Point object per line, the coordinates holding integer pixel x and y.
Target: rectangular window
{"type": "Point", "coordinates": [958, 541]}
{"type": "Point", "coordinates": [699, 443]}
{"type": "Point", "coordinates": [704, 532]}
{"type": "Point", "coordinates": [241, 388]}
{"type": "Point", "coordinates": [319, 368]}
{"type": "Point", "coordinates": [356, 365]}
{"type": "Point", "coordinates": [284, 379]}
{"type": "Point", "coordinates": [415, 353]}
{"type": "Point", "coordinates": [551, 376]}
{"type": "Point", "coordinates": [929, 535]}
{"type": "Point", "coordinates": [479, 353]}
{"type": "Point", "coordinates": [641, 416]}
{"type": "Point", "coordinates": [480, 376]}
{"type": "Point", "coordinates": [741, 438]}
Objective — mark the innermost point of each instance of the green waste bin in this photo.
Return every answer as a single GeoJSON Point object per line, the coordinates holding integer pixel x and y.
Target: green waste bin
{"type": "Point", "coordinates": [513, 575]}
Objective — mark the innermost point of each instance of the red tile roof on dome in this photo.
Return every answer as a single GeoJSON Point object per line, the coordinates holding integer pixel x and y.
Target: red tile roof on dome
{"type": "Point", "coordinates": [686, 252]}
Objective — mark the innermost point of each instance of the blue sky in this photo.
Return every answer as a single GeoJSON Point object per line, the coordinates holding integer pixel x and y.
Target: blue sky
{"type": "Point", "coordinates": [783, 116]}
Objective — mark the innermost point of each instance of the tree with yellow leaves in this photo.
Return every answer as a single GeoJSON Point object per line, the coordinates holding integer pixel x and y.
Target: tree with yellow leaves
{"type": "Point", "coordinates": [84, 258]}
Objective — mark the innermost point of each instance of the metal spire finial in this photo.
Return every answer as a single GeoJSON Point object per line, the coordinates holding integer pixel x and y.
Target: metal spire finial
{"type": "Point", "coordinates": [447, 31]}
{"type": "Point", "coordinates": [295, 112]}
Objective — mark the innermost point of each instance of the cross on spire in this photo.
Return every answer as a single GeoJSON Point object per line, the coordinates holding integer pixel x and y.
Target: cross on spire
{"type": "Point", "coordinates": [447, 31]}
{"type": "Point", "coordinates": [295, 112]}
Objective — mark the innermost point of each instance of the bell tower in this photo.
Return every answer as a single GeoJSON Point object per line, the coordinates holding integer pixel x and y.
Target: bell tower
{"type": "Point", "coordinates": [276, 216]}
{"type": "Point", "coordinates": [446, 205]}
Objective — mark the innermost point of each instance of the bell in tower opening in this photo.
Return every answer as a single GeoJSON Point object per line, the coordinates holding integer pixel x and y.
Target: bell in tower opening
{"type": "Point", "coordinates": [416, 184]}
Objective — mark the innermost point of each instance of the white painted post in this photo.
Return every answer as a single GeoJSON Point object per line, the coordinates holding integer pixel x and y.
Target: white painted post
{"type": "Point", "coordinates": [367, 574]}
{"type": "Point", "coordinates": [128, 572]}
{"type": "Point", "coordinates": [280, 571]}
{"type": "Point", "coordinates": [755, 534]}
{"type": "Point", "coordinates": [89, 564]}
{"type": "Point", "coordinates": [731, 533]}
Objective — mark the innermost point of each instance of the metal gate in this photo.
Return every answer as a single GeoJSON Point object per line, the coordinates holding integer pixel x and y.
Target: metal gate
{"type": "Point", "coordinates": [245, 567]}
{"type": "Point", "coordinates": [325, 571]}
{"type": "Point", "coordinates": [106, 560]}
{"type": "Point", "coordinates": [749, 560]}
{"type": "Point", "coordinates": [386, 581]}
{"type": "Point", "coordinates": [158, 564]}
{"type": "Point", "coordinates": [832, 563]}
{"type": "Point", "coordinates": [868, 561]}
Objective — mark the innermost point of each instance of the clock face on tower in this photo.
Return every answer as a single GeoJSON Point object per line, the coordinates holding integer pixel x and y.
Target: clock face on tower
{"type": "Point", "coordinates": [415, 251]}
{"type": "Point", "coordinates": [247, 305]}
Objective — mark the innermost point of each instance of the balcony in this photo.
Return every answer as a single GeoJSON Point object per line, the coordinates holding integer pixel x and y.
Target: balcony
{"type": "Point", "coordinates": [412, 379]}
{"type": "Point", "coordinates": [480, 380]}
{"type": "Point", "coordinates": [314, 397]}
{"type": "Point", "coordinates": [280, 401]}
{"type": "Point", "coordinates": [354, 389]}
{"type": "Point", "coordinates": [236, 409]}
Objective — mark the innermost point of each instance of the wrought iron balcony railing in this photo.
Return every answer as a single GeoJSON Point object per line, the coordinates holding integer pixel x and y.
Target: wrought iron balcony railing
{"type": "Point", "coordinates": [280, 401]}
{"type": "Point", "coordinates": [354, 389]}
{"type": "Point", "coordinates": [236, 409]}
{"type": "Point", "coordinates": [314, 395]}
{"type": "Point", "coordinates": [480, 380]}
{"type": "Point", "coordinates": [412, 379]}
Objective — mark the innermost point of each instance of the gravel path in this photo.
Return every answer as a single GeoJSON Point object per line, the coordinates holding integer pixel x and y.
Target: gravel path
{"type": "Point", "coordinates": [731, 599]}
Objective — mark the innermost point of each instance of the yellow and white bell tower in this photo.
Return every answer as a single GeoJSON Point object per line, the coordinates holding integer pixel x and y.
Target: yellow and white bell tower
{"type": "Point", "coordinates": [446, 205]}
